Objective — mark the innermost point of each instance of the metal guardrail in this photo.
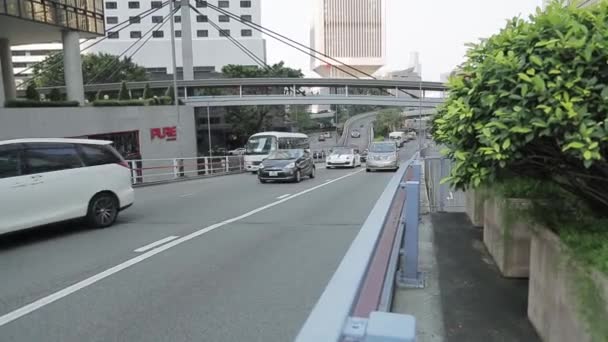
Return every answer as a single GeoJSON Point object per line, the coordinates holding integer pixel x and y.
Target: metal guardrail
{"type": "Point", "coordinates": [351, 293]}
{"type": "Point", "coordinates": [145, 171]}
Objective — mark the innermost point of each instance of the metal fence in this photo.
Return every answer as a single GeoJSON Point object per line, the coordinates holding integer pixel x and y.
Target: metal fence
{"type": "Point", "coordinates": [442, 197]}
{"type": "Point", "coordinates": [162, 170]}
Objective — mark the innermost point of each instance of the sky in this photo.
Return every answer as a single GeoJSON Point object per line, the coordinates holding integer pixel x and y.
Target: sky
{"type": "Point", "coordinates": [437, 29]}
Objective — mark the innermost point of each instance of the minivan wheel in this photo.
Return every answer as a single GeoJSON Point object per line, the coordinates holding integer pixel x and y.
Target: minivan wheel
{"type": "Point", "coordinates": [103, 210]}
{"type": "Point", "coordinates": [312, 173]}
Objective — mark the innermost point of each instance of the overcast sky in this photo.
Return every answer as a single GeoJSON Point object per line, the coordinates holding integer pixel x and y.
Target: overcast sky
{"type": "Point", "coordinates": [437, 29]}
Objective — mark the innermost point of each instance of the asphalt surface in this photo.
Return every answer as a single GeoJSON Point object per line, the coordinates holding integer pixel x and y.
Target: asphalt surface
{"type": "Point", "coordinates": [244, 265]}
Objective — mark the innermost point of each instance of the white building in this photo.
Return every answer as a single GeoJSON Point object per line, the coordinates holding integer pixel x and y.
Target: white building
{"type": "Point", "coordinates": [353, 32]}
{"type": "Point", "coordinates": [210, 50]}
{"type": "Point", "coordinates": [581, 3]}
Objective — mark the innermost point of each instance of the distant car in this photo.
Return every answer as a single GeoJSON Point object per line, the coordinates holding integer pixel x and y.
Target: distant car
{"type": "Point", "coordinates": [286, 165]}
{"type": "Point", "coordinates": [355, 134]}
{"type": "Point", "coordinates": [343, 157]}
{"type": "Point", "coordinates": [361, 126]}
{"type": "Point", "coordinates": [237, 151]}
{"type": "Point", "coordinates": [327, 134]}
{"type": "Point", "coordinates": [364, 156]}
{"type": "Point", "coordinates": [382, 156]}
{"type": "Point", "coordinates": [321, 137]}
{"type": "Point", "coordinates": [45, 181]}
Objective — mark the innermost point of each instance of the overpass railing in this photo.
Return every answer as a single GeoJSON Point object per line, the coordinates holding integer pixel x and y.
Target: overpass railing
{"type": "Point", "coordinates": [355, 304]}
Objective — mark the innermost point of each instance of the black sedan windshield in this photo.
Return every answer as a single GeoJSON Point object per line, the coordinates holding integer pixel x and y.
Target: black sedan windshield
{"type": "Point", "coordinates": [285, 154]}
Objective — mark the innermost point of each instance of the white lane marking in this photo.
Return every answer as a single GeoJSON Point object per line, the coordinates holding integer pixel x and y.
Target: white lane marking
{"type": "Point", "coordinates": [188, 195]}
{"type": "Point", "coordinates": [42, 302]}
{"type": "Point", "coordinates": [329, 180]}
{"type": "Point", "coordinates": [156, 243]}
{"type": "Point", "coordinates": [281, 197]}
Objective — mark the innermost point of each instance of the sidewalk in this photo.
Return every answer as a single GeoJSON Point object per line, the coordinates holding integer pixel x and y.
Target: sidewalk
{"type": "Point", "coordinates": [465, 299]}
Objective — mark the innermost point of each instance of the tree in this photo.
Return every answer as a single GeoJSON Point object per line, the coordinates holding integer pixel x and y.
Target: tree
{"type": "Point", "coordinates": [31, 93]}
{"type": "Point", "coordinates": [96, 68]}
{"type": "Point", "coordinates": [247, 120]}
{"type": "Point", "coordinates": [388, 120]}
{"type": "Point", "coordinates": [531, 101]}
{"type": "Point", "coordinates": [55, 95]}
{"type": "Point", "coordinates": [170, 93]}
{"type": "Point", "coordinates": [123, 94]}
{"type": "Point", "coordinates": [147, 92]}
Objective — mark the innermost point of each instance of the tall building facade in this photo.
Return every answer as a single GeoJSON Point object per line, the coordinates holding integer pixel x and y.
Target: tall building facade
{"type": "Point", "coordinates": [211, 49]}
{"type": "Point", "coordinates": [352, 31]}
{"type": "Point", "coordinates": [581, 3]}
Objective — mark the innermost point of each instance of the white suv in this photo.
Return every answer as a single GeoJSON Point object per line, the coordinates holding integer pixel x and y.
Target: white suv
{"type": "Point", "coordinates": [52, 180]}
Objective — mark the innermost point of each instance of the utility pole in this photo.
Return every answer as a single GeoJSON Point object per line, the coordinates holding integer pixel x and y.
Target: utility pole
{"type": "Point", "coordinates": [173, 60]}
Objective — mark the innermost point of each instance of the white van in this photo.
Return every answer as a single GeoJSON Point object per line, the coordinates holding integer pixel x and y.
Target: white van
{"type": "Point", "coordinates": [52, 180]}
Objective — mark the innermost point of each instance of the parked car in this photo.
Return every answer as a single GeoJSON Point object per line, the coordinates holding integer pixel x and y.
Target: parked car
{"type": "Point", "coordinates": [355, 134]}
{"type": "Point", "coordinates": [321, 137]}
{"type": "Point", "coordinates": [343, 157]}
{"type": "Point", "coordinates": [287, 165]}
{"type": "Point", "coordinates": [327, 134]}
{"type": "Point", "coordinates": [382, 156]}
{"type": "Point", "coordinates": [237, 151]}
{"type": "Point", "coordinates": [44, 181]}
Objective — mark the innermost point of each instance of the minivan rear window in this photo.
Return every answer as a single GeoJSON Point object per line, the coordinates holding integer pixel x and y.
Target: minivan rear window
{"type": "Point", "coordinates": [99, 155]}
{"type": "Point", "coordinates": [51, 157]}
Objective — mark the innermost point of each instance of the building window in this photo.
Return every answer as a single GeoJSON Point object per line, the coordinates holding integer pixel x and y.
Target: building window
{"type": "Point", "coordinates": [178, 18]}
{"type": "Point", "coordinates": [111, 5]}
{"type": "Point", "coordinates": [245, 4]}
{"type": "Point", "coordinates": [201, 19]}
{"type": "Point", "coordinates": [246, 33]}
{"type": "Point", "coordinates": [113, 35]}
{"type": "Point", "coordinates": [201, 4]}
{"type": "Point", "coordinates": [224, 18]}
{"type": "Point", "coordinates": [18, 53]}
{"type": "Point", "coordinates": [158, 34]}
{"type": "Point", "coordinates": [39, 52]}
{"type": "Point", "coordinates": [223, 4]}
{"type": "Point", "coordinates": [156, 4]}
{"type": "Point", "coordinates": [112, 20]}
{"type": "Point", "coordinates": [19, 65]}
{"type": "Point", "coordinates": [135, 34]}
{"type": "Point", "coordinates": [134, 20]}
{"type": "Point", "coordinates": [202, 33]}
{"type": "Point", "coordinates": [224, 33]}
{"type": "Point", "coordinates": [157, 19]}
{"type": "Point", "coordinates": [246, 17]}
{"type": "Point", "coordinates": [133, 4]}
{"type": "Point", "coordinates": [178, 33]}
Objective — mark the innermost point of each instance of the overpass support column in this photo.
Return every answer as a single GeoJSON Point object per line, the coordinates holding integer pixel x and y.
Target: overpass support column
{"type": "Point", "coordinates": [72, 66]}
{"type": "Point", "coordinates": [187, 57]}
{"type": "Point", "coordinates": [6, 70]}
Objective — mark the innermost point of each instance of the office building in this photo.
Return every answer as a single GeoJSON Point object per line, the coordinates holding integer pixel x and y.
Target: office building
{"type": "Point", "coordinates": [25, 56]}
{"type": "Point", "coordinates": [581, 3]}
{"type": "Point", "coordinates": [351, 31]}
{"type": "Point", "coordinates": [30, 22]}
{"type": "Point", "coordinates": [211, 50]}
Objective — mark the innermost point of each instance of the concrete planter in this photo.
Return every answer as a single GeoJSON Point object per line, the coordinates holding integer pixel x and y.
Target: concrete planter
{"type": "Point", "coordinates": [507, 236]}
{"type": "Point", "coordinates": [566, 302]}
{"type": "Point", "coordinates": [474, 207]}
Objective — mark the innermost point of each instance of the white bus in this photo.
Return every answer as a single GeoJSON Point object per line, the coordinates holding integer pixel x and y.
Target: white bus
{"type": "Point", "coordinates": [261, 144]}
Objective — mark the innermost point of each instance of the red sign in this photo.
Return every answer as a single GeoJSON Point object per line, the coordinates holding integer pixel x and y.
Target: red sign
{"type": "Point", "coordinates": [164, 133]}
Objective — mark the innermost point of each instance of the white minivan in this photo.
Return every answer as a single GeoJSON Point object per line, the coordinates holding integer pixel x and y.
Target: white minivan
{"type": "Point", "coordinates": [44, 181]}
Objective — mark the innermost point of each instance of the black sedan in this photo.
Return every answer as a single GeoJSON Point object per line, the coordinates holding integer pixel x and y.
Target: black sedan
{"type": "Point", "coordinates": [286, 165]}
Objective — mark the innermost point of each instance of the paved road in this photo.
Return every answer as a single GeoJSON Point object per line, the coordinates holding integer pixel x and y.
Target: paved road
{"type": "Point", "coordinates": [245, 266]}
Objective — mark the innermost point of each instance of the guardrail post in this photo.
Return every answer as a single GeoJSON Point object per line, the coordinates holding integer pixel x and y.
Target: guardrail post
{"type": "Point", "coordinates": [240, 90]}
{"type": "Point", "coordinates": [409, 276]}
{"type": "Point", "coordinates": [346, 87]}
{"type": "Point", "coordinates": [175, 168]}
{"type": "Point", "coordinates": [206, 159]}
{"type": "Point", "coordinates": [396, 91]}
{"type": "Point", "coordinates": [133, 166]}
{"type": "Point", "coordinates": [227, 164]}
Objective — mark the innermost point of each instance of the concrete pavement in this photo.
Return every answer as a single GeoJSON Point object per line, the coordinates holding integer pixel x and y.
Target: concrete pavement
{"type": "Point", "coordinates": [248, 262]}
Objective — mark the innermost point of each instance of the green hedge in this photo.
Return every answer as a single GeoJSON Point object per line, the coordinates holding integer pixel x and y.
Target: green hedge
{"type": "Point", "coordinates": [531, 101]}
{"type": "Point", "coordinates": [33, 103]}
{"type": "Point", "coordinates": [118, 103]}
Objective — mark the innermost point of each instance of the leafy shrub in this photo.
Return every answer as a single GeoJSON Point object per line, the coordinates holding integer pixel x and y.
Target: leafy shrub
{"type": "Point", "coordinates": [55, 95]}
{"type": "Point", "coordinates": [123, 94]}
{"type": "Point", "coordinates": [531, 101]}
{"type": "Point", "coordinates": [147, 92]}
{"type": "Point", "coordinates": [31, 93]}
{"type": "Point", "coordinates": [118, 103]}
{"type": "Point", "coordinates": [33, 103]}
